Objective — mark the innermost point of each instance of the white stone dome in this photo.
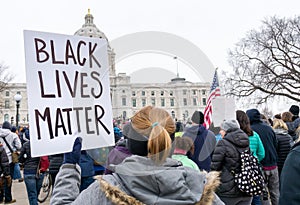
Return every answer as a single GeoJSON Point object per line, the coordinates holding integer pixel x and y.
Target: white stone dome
{"type": "Point", "coordinates": [89, 29]}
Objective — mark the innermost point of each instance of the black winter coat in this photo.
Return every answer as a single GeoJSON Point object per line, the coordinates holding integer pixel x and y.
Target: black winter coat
{"type": "Point", "coordinates": [4, 163]}
{"type": "Point", "coordinates": [56, 161]}
{"type": "Point", "coordinates": [226, 158]}
{"type": "Point", "coordinates": [30, 164]}
{"type": "Point", "coordinates": [267, 136]}
{"type": "Point", "coordinates": [285, 143]}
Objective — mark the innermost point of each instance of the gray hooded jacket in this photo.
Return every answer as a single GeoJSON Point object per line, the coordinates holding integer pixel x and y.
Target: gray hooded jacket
{"type": "Point", "coordinates": [13, 141]}
{"type": "Point", "coordinates": [139, 177]}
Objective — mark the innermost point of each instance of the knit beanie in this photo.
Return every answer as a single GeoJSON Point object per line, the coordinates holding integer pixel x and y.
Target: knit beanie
{"type": "Point", "coordinates": [136, 143]}
{"type": "Point", "coordinates": [198, 117]}
{"type": "Point", "coordinates": [294, 109]}
{"type": "Point", "coordinates": [230, 124]}
{"type": "Point", "coordinates": [6, 125]}
{"type": "Point", "coordinates": [13, 129]}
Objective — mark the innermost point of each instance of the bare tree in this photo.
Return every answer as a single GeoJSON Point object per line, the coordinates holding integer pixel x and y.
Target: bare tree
{"type": "Point", "coordinates": [5, 76]}
{"type": "Point", "coordinates": [266, 63]}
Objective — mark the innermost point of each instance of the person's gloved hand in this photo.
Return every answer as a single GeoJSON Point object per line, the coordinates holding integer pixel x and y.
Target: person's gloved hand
{"type": "Point", "coordinates": [74, 156]}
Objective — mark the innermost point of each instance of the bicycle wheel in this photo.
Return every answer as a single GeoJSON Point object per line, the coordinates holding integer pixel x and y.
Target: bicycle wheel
{"type": "Point", "coordinates": [46, 188]}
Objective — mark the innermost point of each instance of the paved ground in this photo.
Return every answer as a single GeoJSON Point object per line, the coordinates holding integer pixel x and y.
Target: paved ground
{"type": "Point", "coordinates": [20, 194]}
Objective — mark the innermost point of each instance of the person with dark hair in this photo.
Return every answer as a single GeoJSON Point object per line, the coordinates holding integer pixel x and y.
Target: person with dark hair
{"type": "Point", "coordinates": [11, 143]}
{"type": "Point", "coordinates": [152, 178]}
{"type": "Point", "coordinates": [227, 159]}
{"type": "Point", "coordinates": [269, 163]}
{"type": "Point", "coordinates": [204, 141]}
{"type": "Point", "coordinates": [294, 109]}
{"type": "Point", "coordinates": [277, 116]}
{"type": "Point", "coordinates": [255, 144]}
{"type": "Point", "coordinates": [179, 129]}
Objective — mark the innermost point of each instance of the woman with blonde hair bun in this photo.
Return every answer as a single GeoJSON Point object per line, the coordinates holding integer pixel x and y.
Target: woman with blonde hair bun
{"type": "Point", "coordinates": [158, 125]}
{"type": "Point", "coordinates": [149, 176]}
{"type": "Point", "coordinates": [284, 140]}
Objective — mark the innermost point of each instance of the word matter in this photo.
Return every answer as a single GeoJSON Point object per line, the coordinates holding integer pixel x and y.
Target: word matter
{"type": "Point", "coordinates": [63, 119]}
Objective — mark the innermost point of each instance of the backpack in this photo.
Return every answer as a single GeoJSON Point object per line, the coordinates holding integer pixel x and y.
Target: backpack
{"type": "Point", "coordinates": [249, 178]}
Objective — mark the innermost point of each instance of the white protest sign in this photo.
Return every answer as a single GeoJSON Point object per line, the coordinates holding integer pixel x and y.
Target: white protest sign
{"type": "Point", "coordinates": [222, 109]}
{"type": "Point", "coordinates": [68, 92]}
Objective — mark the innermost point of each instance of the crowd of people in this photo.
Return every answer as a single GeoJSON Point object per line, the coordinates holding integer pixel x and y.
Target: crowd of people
{"type": "Point", "coordinates": [159, 161]}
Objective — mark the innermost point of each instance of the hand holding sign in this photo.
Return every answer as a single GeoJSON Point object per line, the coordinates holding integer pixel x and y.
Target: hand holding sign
{"type": "Point", "coordinates": [74, 156]}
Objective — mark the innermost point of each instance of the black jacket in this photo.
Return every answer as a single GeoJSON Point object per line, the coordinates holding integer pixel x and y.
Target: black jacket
{"type": "Point", "coordinates": [226, 158]}
{"type": "Point", "coordinates": [285, 143]}
{"type": "Point", "coordinates": [30, 164]}
{"type": "Point", "coordinates": [267, 136]}
{"type": "Point", "coordinates": [56, 161]}
{"type": "Point", "coordinates": [4, 162]}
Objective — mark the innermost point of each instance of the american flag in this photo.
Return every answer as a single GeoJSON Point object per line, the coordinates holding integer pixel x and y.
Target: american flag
{"type": "Point", "coordinates": [214, 92]}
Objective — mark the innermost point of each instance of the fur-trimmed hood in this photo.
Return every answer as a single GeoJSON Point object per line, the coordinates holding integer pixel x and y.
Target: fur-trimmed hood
{"type": "Point", "coordinates": [170, 183]}
{"type": "Point", "coordinates": [117, 196]}
{"type": "Point", "coordinates": [196, 188]}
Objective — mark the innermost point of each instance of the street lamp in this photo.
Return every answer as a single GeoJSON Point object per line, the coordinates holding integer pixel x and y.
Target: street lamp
{"type": "Point", "coordinates": [17, 98]}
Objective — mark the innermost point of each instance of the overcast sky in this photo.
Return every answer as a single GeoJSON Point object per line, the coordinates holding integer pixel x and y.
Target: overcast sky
{"type": "Point", "coordinates": [214, 26]}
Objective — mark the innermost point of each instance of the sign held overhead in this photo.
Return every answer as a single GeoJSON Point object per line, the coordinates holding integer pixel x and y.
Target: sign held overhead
{"type": "Point", "coordinates": [68, 92]}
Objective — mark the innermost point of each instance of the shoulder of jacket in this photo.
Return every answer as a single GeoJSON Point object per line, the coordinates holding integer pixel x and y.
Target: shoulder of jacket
{"type": "Point", "coordinates": [115, 194]}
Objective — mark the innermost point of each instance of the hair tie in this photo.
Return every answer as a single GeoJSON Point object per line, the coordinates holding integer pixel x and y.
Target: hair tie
{"type": "Point", "coordinates": [154, 124]}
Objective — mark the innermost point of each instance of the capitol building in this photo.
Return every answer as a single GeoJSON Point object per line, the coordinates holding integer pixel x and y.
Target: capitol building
{"type": "Point", "coordinates": [179, 96]}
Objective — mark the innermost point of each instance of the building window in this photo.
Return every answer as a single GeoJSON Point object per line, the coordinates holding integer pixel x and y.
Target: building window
{"type": "Point", "coordinates": [143, 93]}
{"type": "Point", "coordinates": [172, 102]}
{"type": "Point", "coordinates": [203, 92]}
{"type": "Point", "coordinates": [184, 101]}
{"type": "Point", "coordinates": [19, 92]}
{"type": "Point", "coordinates": [153, 101]}
{"type": "Point", "coordinates": [133, 102]}
{"type": "Point", "coordinates": [133, 93]}
{"type": "Point", "coordinates": [124, 115]}
{"type": "Point", "coordinates": [195, 101]}
{"type": "Point", "coordinates": [204, 101]}
{"type": "Point", "coordinates": [162, 93]}
{"type": "Point", "coordinates": [171, 93]}
{"type": "Point", "coordinates": [194, 92]}
{"type": "Point", "coordinates": [6, 117]}
{"type": "Point", "coordinates": [123, 101]}
{"type": "Point", "coordinates": [123, 91]}
{"type": "Point", "coordinates": [7, 93]}
{"type": "Point", "coordinates": [162, 102]}
{"type": "Point", "coordinates": [152, 93]}
{"type": "Point", "coordinates": [6, 104]}
{"type": "Point", "coordinates": [184, 92]}
{"type": "Point", "coordinates": [143, 102]}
